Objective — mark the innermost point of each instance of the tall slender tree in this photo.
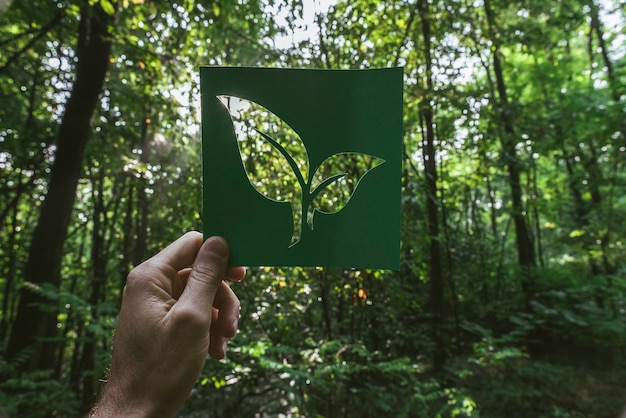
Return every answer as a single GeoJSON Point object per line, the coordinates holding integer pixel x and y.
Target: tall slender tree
{"type": "Point", "coordinates": [430, 174]}
{"type": "Point", "coordinates": [33, 326]}
{"type": "Point", "coordinates": [524, 244]}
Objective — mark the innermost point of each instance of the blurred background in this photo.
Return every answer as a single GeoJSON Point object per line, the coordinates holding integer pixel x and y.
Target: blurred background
{"type": "Point", "coordinates": [510, 300]}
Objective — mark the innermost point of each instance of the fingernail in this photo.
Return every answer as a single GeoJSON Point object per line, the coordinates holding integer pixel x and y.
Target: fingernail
{"type": "Point", "coordinates": [225, 347]}
{"type": "Point", "coordinates": [217, 246]}
{"type": "Point", "coordinates": [236, 324]}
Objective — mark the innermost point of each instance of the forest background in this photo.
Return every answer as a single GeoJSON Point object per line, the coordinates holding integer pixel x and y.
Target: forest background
{"type": "Point", "coordinates": [510, 300]}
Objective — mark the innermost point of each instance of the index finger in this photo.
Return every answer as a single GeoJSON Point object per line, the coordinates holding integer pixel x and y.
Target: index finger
{"type": "Point", "coordinates": [235, 274]}
{"type": "Point", "coordinates": [182, 252]}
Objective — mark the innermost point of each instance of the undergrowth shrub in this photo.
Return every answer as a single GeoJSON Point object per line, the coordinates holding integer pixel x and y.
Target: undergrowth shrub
{"type": "Point", "coordinates": [33, 395]}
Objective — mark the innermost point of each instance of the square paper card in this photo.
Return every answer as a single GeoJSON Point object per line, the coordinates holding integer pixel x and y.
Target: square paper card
{"type": "Point", "coordinates": [303, 167]}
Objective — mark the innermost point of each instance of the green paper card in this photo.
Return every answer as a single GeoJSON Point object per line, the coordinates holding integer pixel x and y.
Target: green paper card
{"type": "Point", "coordinates": [303, 167]}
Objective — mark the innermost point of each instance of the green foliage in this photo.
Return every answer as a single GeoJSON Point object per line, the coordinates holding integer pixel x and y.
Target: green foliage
{"type": "Point", "coordinates": [34, 394]}
{"type": "Point", "coordinates": [549, 361]}
{"type": "Point", "coordinates": [329, 379]}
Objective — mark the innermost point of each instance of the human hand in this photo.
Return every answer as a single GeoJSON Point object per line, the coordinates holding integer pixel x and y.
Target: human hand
{"type": "Point", "coordinates": [171, 317]}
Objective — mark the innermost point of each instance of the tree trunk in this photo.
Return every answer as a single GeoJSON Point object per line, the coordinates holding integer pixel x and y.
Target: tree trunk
{"type": "Point", "coordinates": [72, 323]}
{"type": "Point", "coordinates": [538, 237]}
{"type": "Point", "coordinates": [9, 274]}
{"type": "Point", "coordinates": [99, 261]}
{"type": "Point", "coordinates": [430, 172]}
{"type": "Point", "coordinates": [322, 280]}
{"type": "Point", "coordinates": [596, 174]}
{"type": "Point", "coordinates": [33, 324]}
{"type": "Point", "coordinates": [596, 26]}
{"type": "Point", "coordinates": [126, 242]}
{"type": "Point", "coordinates": [143, 206]}
{"type": "Point", "coordinates": [525, 250]}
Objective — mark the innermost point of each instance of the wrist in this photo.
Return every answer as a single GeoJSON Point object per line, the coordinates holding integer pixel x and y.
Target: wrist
{"type": "Point", "coordinates": [118, 402]}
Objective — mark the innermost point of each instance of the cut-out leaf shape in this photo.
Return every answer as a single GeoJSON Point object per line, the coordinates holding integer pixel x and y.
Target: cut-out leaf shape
{"type": "Point", "coordinates": [336, 180]}
{"type": "Point", "coordinates": [277, 164]}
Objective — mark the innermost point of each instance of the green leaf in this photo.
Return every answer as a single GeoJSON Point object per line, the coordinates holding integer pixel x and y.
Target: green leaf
{"type": "Point", "coordinates": [336, 180]}
{"type": "Point", "coordinates": [273, 155]}
{"type": "Point", "coordinates": [107, 7]}
{"type": "Point", "coordinates": [577, 233]}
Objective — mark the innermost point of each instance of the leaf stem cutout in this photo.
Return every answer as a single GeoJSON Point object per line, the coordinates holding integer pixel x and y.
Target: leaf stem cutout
{"type": "Point", "coordinates": [277, 165]}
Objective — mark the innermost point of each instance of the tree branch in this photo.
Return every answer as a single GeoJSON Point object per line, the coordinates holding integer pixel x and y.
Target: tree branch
{"type": "Point", "coordinates": [44, 30]}
{"type": "Point", "coordinates": [404, 37]}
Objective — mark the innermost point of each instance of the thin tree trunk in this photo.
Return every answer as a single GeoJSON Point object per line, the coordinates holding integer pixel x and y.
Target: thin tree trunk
{"type": "Point", "coordinates": [141, 242]}
{"type": "Point", "coordinates": [525, 250]}
{"type": "Point", "coordinates": [127, 241]}
{"type": "Point", "coordinates": [596, 27]}
{"type": "Point", "coordinates": [447, 251]}
{"type": "Point", "coordinates": [98, 259]}
{"type": "Point", "coordinates": [10, 272]}
{"type": "Point", "coordinates": [430, 172]}
{"type": "Point", "coordinates": [321, 276]}
{"type": "Point", "coordinates": [493, 216]}
{"type": "Point", "coordinates": [71, 322]}
{"type": "Point", "coordinates": [44, 259]}
{"type": "Point", "coordinates": [537, 222]}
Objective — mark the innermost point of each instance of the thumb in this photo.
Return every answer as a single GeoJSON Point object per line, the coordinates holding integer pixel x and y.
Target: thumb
{"type": "Point", "coordinates": [205, 278]}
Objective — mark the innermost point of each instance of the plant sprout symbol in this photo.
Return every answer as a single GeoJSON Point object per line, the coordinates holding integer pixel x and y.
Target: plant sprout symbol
{"type": "Point", "coordinates": [277, 165]}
